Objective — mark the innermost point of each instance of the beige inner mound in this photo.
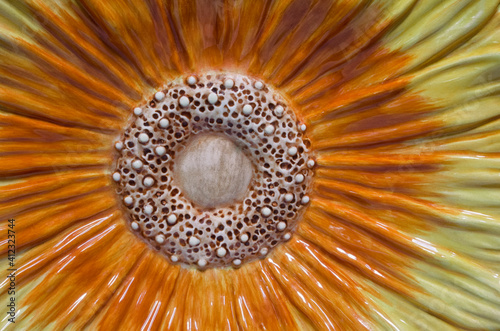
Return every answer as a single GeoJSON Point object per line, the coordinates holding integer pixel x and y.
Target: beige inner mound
{"type": "Point", "coordinates": [212, 171]}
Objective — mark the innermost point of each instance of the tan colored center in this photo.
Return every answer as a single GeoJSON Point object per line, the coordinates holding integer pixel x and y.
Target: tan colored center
{"type": "Point", "coordinates": [212, 171]}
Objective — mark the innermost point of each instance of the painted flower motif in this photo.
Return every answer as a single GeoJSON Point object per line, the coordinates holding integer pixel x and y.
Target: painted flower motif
{"type": "Point", "coordinates": [397, 224]}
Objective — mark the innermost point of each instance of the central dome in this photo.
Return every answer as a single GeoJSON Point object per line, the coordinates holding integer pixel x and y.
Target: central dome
{"type": "Point", "coordinates": [213, 171]}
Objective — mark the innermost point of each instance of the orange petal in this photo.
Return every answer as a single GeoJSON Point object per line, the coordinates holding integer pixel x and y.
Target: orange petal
{"type": "Point", "coordinates": [44, 183]}
{"type": "Point", "coordinates": [81, 282]}
{"type": "Point", "coordinates": [302, 300]}
{"type": "Point", "coordinates": [69, 191]}
{"type": "Point", "coordinates": [197, 24]}
{"type": "Point", "coordinates": [338, 305]}
{"type": "Point", "coordinates": [33, 226]}
{"type": "Point", "coordinates": [127, 27]}
{"type": "Point", "coordinates": [15, 165]}
{"type": "Point", "coordinates": [34, 261]}
{"type": "Point", "coordinates": [142, 297]}
{"type": "Point", "coordinates": [208, 300]}
{"type": "Point", "coordinates": [256, 297]}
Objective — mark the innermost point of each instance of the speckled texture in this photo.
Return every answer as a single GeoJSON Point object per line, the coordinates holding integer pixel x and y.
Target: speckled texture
{"type": "Point", "coordinates": [278, 165]}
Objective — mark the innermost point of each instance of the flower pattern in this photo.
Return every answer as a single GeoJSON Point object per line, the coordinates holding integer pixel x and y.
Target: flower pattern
{"type": "Point", "coordinates": [400, 99]}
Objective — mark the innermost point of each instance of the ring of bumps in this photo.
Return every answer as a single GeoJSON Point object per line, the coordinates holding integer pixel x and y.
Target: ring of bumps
{"type": "Point", "coordinates": [258, 121]}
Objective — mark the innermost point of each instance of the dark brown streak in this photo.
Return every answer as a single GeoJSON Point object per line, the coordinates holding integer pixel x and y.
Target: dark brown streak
{"type": "Point", "coordinates": [179, 44]}
{"type": "Point", "coordinates": [91, 20]}
{"type": "Point", "coordinates": [95, 67]}
{"type": "Point", "coordinates": [335, 38]}
{"type": "Point", "coordinates": [348, 65]}
{"type": "Point", "coordinates": [295, 12]}
{"type": "Point", "coordinates": [248, 47]}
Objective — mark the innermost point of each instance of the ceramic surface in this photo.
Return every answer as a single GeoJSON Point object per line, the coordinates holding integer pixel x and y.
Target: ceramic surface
{"type": "Point", "coordinates": [401, 102]}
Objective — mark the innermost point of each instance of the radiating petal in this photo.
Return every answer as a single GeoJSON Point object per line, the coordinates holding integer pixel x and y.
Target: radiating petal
{"type": "Point", "coordinates": [82, 281]}
{"type": "Point", "coordinates": [126, 27]}
{"type": "Point", "coordinates": [257, 301]}
{"type": "Point", "coordinates": [34, 262]}
{"type": "Point", "coordinates": [302, 299]}
{"type": "Point", "coordinates": [34, 226]}
{"type": "Point", "coordinates": [208, 301]}
{"type": "Point", "coordinates": [340, 307]}
{"type": "Point", "coordinates": [142, 297]}
{"type": "Point", "coordinates": [435, 28]}
{"type": "Point", "coordinates": [350, 52]}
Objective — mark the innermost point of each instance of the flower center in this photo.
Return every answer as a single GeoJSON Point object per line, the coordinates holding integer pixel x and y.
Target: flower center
{"type": "Point", "coordinates": [213, 171]}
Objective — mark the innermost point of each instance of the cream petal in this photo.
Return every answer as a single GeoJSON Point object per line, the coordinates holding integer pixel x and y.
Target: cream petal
{"type": "Point", "coordinates": [435, 28]}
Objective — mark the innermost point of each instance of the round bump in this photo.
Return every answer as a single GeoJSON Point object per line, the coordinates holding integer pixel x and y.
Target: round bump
{"type": "Point", "coordinates": [184, 101]}
{"type": "Point", "coordinates": [118, 146]}
{"type": "Point", "coordinates": [279, 110]}
{"type": "Point", "coordinates": [292, 151]}
{"type": "Point", "coordinates": [258, 85]}
{"type": "Point", "coordinates": [202, 263]}
{"type": "Point", "coordinates": [228, 83]}
{"type": "Point", "coordinates": [135, 226]}
{"type": "Point", "coordinates": [160, 150]}
{"type": "Point", "coordinates": [266, 211]}
{"type": "Point", "coordinates": [160, 239]}
{"type": "Point", "coordinates": [299, 178]}
{"type": "Point", "coordinates": [244, 238]}
{"type": "Point", "coordinates": [137, 164]}
{"type": "Point", "coordinates": [310, 163]}
{"type": "Point", "coordinates": [247, 110]}
{"type": "Point", "coordinates": [193, 241]}
{"type": "Point", "coordinates": [148, 181]}
{"type": "Point", "coordinates": [143, 138]}
{"type": "Point", "coordinates": [164, 123]}
{"type": "Point", "coordinates": [191, 80]}
{"type": "Point", "coordinates": [237, 262]}
{"type": "Point", "coordinates": [221, 252]}
{"type": "Point", "coordinates": [174, 258]}
{"type": "Point", "coordinates": [116, 176]}
{"type": "Point", "coordinates": [281, 226]}
{"type": "Point", "coordinates": [305, 200]}
{"type": "Point", "coordinates": [212, 98]}
{"type": "Point", "coordinates": [264, 250]}
{"type": "Point", "coordinates": [269, 129]}
{"type": "Point", "coordinates": [138, 111]}
{"type": "Point", "coordinates": [287, 236]}
{"type": "Point", "coordinates": [128, 200]}
{"type": "Point", "coordinates": [288, 197]}
{"type": "Point", "coordinates": [302, 127]}
{"type": "Point", "coordinates": [159, 96]}
{"type": "Point", "coordinates": [148, 210]}
{"type": "Point", "coordinates": [171, 219]}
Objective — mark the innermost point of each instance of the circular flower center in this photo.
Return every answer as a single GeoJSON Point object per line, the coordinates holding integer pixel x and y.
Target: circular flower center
{"type": "Point", "coordinates": [213, 170]}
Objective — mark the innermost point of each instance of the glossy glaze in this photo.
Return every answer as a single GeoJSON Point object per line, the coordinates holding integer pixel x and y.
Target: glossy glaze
{"type": "Point", "coordinates": [400, 102]}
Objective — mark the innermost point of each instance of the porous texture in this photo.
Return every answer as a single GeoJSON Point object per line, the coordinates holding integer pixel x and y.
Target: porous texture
{"type": "Point", "coordinates": [192, 231]}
